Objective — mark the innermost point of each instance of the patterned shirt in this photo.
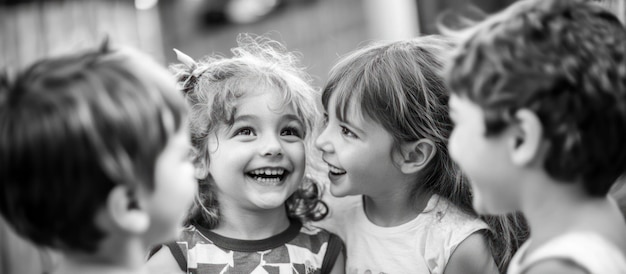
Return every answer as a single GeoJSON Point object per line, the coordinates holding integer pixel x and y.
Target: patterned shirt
{"type": "Point", "coordinates": [298, 249]}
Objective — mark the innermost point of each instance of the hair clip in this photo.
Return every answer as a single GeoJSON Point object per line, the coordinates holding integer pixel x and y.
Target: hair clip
{"type": "Point", "coordinates": [185, 59]}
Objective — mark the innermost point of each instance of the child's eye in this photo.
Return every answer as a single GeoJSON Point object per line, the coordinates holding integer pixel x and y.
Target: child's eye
{"type": "Point", "coordinates": [291, 131]}
{"type": "Point", "coordinates": [348, 133]}
{"type": "Point", "coordinates": [246, 131]}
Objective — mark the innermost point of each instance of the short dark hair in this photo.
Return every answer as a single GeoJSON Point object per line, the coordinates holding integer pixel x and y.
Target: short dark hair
{"type": "Point", "coordinates": [71, 129]}
{"type": "Point", "coordinates": [564, 60]}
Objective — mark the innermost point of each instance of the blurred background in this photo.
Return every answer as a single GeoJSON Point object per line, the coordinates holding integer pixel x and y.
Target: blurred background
{"type": "Point", "coordinates": [322, 30]}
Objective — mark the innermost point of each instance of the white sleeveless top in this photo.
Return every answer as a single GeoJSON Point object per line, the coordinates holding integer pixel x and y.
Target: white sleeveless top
{"type": "Point", "coordinates": [422, 245]}
{"type": "Point", "coordinates": [587, 250]}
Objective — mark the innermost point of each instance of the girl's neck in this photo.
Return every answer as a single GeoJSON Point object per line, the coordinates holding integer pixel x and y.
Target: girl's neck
{"type": "Point", "coordinates": [242, 224]}
{"type": "Point", "coordinates": [555, 208]}
{"type": "Point", "coordinates": [394, 208]}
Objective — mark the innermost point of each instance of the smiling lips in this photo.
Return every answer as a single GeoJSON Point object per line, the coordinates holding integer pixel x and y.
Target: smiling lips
{"type": "Point", "coordinates": [268, 176]}
{"type": "Point", "coordinates": [335, 170]}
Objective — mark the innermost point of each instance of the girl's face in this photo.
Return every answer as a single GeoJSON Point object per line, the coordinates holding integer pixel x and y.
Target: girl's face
{"type": "Point", "coordinates": [358, 152]}
{"type": "Point", "coordinates": [259, 161]}
{"type": "Point", "coordinates": [174, 188]}
{"type": "Point", "coordinates": [485, 160]}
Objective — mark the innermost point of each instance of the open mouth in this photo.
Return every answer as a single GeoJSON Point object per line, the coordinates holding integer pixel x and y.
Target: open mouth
{"type": "Point", "coordinates": [333, 170]}
{"type": "Point", "coordinates": [268, 175]}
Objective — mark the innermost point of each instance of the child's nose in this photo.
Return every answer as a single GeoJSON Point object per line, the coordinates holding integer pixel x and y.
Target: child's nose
{"type": "Point", "coordinates": [322, 142]}
{"type": "Point", "coordinates": [272, 147]}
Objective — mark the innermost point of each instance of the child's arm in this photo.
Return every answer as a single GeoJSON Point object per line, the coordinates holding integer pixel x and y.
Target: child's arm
{"type": "Point", "coordinates": [163, 262]}
{"type": "Point", "coordinates": [472, 256]}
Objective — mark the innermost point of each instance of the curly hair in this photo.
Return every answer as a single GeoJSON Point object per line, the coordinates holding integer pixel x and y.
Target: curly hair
{"type": "Point", "coordinates": [565, 61]}
{"type": "Point", "coordinates": [212, 87]}
{"type": "Point", "coordinates": [71, 129]}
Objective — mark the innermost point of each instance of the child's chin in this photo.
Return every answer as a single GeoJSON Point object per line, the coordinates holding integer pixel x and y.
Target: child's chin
{"type": "Point", "coordinates": [339, 192]}
{"type": "Point", "coordinates": [270, 201]}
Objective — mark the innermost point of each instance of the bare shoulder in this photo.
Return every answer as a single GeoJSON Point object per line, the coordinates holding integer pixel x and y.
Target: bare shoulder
{"type": "Point", "coordinates": [163, 262]}
{"type": "Point", "coordinates": [555, 266]}
{"type": "Point", "coordinates": [472, 256]}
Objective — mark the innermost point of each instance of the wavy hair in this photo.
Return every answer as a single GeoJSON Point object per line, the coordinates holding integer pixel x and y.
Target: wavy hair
{"type": "Point", "coordinates": [212, 87]}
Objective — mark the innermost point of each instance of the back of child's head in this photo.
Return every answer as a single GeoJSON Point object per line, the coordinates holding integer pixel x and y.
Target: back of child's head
{"type": "Point", "coordinates": [71, 129]}
{"type": "Point", "coordinates": [563, 60]}
{"type": "Point", "coordinates": [213, 86]}
{"type": "Point", "coordinates": [400, 86]}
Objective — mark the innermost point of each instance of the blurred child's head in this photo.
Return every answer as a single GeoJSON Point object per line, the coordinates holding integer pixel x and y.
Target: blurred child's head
{"type": "Point", "coordinates": [540, 87]}
{"type": "Point", "coordinates": [94, 146]}
{"type": "Point", "coordinates": [388, 116]}
{"type": "Point", "coordinates": [252, 117]}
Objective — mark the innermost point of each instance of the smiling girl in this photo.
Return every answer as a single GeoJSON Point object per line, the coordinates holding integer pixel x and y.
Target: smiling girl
{"type": "Point", "coordinates": [251, 122]}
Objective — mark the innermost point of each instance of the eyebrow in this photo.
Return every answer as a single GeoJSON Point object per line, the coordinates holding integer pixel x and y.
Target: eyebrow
{"type": "Point", "coordinates": [248, 118]}
{"type": "Point", "coordinates": [245, 118]}
{"type": "Point", "coordinates": [291, 117]}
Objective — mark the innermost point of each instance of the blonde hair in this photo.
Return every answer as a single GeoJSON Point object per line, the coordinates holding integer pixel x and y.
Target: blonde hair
{"type": "Point", "coordinates": [212, 87]}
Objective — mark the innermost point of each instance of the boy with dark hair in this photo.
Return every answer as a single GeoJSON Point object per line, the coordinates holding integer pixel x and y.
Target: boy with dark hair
{"type": "Point", "coordinates": [94, 158]}
{"type": "Point", "coordinates": [539, 105]}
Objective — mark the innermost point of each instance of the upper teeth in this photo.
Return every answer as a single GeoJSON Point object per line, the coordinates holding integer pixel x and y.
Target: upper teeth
{"type": "Point", "coordinates": [334, 169]}
{"type": "Point", "coordinates": [268, 171]}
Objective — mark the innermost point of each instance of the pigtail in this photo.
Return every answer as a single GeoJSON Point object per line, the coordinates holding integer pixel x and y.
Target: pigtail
{"type": "Point", "coordinates": [185, 72]}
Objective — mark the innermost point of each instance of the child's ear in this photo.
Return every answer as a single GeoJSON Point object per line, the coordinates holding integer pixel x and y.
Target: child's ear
{"type": "Point", "coordinates": [416, 155]}
{"type": "Point", "coordinates": [527, 138]}
{"type": "Point", "coordinates": [127, 211]}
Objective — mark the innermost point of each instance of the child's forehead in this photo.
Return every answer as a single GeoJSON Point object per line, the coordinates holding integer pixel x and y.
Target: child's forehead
{"type": "Point", "coordinates": [265, 100]}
